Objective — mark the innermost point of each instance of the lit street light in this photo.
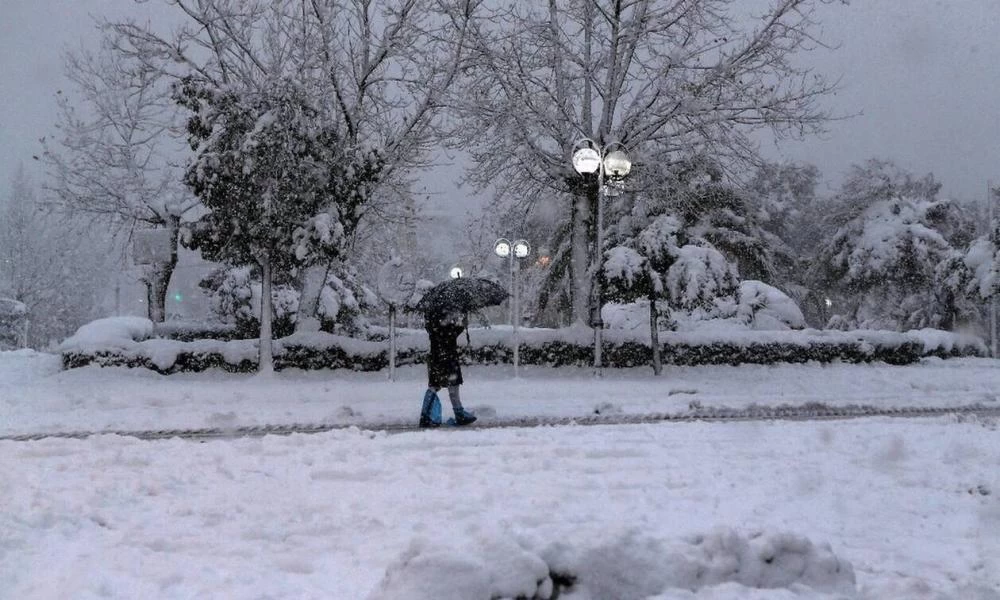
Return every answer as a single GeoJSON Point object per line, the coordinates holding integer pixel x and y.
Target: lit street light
{"type": "Point", "coordinates": [513, 252]}
{"type": "Point", "coordinates": [611, 167]}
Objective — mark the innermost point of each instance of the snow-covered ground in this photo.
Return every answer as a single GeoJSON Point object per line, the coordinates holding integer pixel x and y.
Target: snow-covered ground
{"type": "Point", "coordinates": [875, 509]}
{"type": "Point", "coordinates": [37, 396]}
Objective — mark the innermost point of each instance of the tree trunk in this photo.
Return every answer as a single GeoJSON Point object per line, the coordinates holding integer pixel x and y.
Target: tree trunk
{"type": "Point", "coordinates": [159, 277]}
{"type": "Point", "coordinates": [654, 336]}
{"type": "Point", "coordinates": [265, 363]}
{"type": "Point", "coordinates": [311, 285]}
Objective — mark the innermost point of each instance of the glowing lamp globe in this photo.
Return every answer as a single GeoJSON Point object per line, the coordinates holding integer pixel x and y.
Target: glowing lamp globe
{"type": "Point", "coordinates": [617, 164]}
{"type": "Point", "coordinates": [586, 161]}
{"type": "Point", "coordinates": [502, 248]}
{"type": "Point", "coordinates": [521, 248]}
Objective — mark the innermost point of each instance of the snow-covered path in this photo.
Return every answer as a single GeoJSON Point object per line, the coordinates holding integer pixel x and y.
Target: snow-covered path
{"type": "Point", "coordinates": [914, 506]}
{"type": "Point", "coordinates": [38, 397]}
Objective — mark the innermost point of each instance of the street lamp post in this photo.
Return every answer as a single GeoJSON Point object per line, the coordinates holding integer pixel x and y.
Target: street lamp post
{"type": "Point", "coordinates": [513, 252]}
{"type": "Point", "coordinates": [613, 166]}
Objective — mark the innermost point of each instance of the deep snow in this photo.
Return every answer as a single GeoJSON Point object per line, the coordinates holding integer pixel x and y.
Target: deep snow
{"type": "Point", "coordinates": [876, 509]}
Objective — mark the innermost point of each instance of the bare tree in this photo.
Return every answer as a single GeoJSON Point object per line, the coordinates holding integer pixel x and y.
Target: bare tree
{"type": "Point", "coordinates": [49, 264]}
{"type": "Point", "coordinates": [665, 78]}
{"type": "Point", "coordinates": [114, 159]}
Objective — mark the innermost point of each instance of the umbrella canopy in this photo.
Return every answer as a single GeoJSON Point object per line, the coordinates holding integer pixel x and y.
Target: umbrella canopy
{"type": "Point", "coordinates": [463, 294]}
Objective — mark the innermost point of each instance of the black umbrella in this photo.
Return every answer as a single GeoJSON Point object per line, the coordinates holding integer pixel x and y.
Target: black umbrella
{"type": "Point", "coordinates": [463, 295]}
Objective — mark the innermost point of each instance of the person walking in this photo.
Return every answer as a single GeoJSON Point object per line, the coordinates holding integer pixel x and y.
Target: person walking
{"type": "Point", "coordinates": [444, 368]}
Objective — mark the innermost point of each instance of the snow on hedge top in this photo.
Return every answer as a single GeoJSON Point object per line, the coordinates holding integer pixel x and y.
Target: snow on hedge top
{"type": "Point", "coordinates": [108, 334]}
{"type": "Point", "coordinates": [126, 336]}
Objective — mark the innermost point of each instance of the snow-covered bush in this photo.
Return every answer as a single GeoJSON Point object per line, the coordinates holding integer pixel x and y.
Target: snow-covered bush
{"type": "Point", "coordinates": [343, 303]}
{"type": "Point", "coordinates": [765, 307]}
{"type": "Point", "coordinates": [634, 316]}
{"type": "Point", "coordinates": [235, 294]}
{"type": "Point", "coordinates": [698, 277]}
{"type": "Point", "coordinates": [983, 264]}
{"type": "Point", "coordinates": [627, 274]}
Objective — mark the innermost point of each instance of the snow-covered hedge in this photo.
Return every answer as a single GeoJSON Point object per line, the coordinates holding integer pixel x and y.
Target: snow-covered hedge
{"type": "Point", "coordinates": [118, 342]}
{"type": "Point", "coordinates": [189, 331]}
{"type": "Point", "coordinates": [722, 564]}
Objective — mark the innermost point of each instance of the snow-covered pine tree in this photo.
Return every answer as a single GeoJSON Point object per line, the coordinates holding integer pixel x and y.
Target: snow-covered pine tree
{"type": "Point", "coordinates": [711, 209]}
{"type": "Point", "coordinates": [882, 265]}
{"type": "Point", "coordinates": [282, 189]}
{"type": "Point", "coordinates": [659, 264]}
{"type": "Point", "coordinates": [970, 278]}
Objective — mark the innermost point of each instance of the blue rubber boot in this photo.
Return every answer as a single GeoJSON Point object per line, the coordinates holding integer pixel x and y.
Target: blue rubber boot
{"type": "Point", "coordinates": [464, 417]}
{"type": "Point", "coordinates": [430, 411]}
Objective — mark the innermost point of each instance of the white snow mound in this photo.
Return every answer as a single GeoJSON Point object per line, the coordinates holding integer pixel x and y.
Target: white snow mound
{"type": "Point", "coordinates": [722, 565]}
{"type": "Point", "coordinates": [108, 334]}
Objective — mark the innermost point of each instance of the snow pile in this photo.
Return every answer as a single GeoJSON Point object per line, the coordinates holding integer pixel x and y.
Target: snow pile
{"type": "Point", "coordinates": [765, 307]}
{"type": "Point", "coordinates": [497, 567]}
{"type": "Point", "coordinates": [107, 334]}
{"type": "Point", "coordinates": [720, 565]}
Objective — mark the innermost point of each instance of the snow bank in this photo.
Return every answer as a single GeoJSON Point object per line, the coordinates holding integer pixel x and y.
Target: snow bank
{"type": "Point", "coordinates": [108, 334]}
{"type": "Point", "coordinates": [720, 565]}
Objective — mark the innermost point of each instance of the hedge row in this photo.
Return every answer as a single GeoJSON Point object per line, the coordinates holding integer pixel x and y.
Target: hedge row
{"type": "Point", "coordinates": [549, 353]}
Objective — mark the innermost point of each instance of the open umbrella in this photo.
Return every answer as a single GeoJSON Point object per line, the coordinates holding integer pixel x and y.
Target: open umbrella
{"type": "Point", "coordinates": [462, 294]}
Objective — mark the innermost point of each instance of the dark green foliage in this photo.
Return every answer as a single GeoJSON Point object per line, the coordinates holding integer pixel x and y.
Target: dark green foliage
{"type": "Point", "coordinates": [190, 331]}
{"type": "Point", "coordinates": [552, 354]}
{"type": "Point", "coordinates": [275, 174]}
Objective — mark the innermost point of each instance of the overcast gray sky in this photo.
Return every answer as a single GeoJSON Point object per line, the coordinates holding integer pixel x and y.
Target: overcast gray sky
{"type": "Point", "coordinates": [924, 73]}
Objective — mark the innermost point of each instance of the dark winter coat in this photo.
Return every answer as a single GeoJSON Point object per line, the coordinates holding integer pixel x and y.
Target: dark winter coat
{"type": "Point", "coordinates": [443, 366]}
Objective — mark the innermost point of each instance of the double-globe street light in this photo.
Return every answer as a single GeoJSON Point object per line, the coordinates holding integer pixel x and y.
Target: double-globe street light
{"type": "Point", "coordinates": [611, 167]}
{"type": "Point", "coordinates": [513, 252]}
